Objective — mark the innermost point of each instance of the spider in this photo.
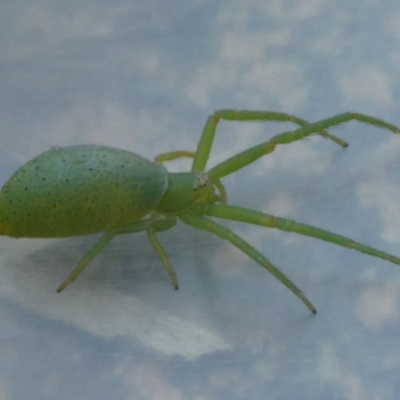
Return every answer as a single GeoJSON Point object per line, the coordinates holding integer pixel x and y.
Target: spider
{"type": "Point", "coordinates": [86, 189]}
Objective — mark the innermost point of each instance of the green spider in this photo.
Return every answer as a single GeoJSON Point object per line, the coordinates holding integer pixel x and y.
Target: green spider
{"type": "Point", "coordinates": [86, 189]}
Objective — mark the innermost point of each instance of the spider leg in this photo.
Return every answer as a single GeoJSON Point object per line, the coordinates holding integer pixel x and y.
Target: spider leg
{"type": "Point", "coordinates": [151, 234]}
{"type": "Point", "coordinates": [207, 137]}
{"type": "Point", "coordinates": [234, 213]}
{"type": "Point", "coordinates": [205, 224]}
{"type": "Point", "coordinates": [148, 224]}
{"type": "Point", "coordinates": [248, 156]}
{"type": "Point", "coordinates": [173, 155]}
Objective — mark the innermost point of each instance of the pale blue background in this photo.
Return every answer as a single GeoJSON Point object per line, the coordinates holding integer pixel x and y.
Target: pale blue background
{"type": "Point", "coordinates": [144, 75]}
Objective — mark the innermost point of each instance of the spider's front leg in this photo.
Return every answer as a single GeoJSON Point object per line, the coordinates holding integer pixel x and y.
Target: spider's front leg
{"type": "Point", "coordinates": [240, 214]}
{"type": "Point", "coordinates": [201, 223]}
{"type": "Point", "coordinates": [207, 137]}
{"type": "Point", "coordinates": [248, 156]}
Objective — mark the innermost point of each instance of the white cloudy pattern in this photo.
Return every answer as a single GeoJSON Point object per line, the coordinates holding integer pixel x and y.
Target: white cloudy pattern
{"type": "Point", "coordinates": [144, 76]}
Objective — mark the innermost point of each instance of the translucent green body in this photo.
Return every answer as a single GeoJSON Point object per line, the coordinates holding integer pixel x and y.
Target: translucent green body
{"type": "Point", "coordinates": [79, 190]}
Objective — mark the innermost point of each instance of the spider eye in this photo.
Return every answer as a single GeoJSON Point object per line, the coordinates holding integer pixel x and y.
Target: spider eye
{"type": "Point", "coordinates": [201, 180]}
